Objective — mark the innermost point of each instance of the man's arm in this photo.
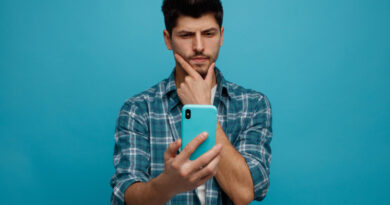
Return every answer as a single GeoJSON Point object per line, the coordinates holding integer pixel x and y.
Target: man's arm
{"type": "Point", "coordinates": [132, 149]}
{"type": "Point", "coordinates": [243, 171]}
{"type": "Point", "coordinates": [233, 173]}
{"type": "Point", "coordinates": [151, 192]}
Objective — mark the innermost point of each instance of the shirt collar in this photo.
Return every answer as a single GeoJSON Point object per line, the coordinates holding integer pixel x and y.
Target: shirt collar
{"type": "Point", "coordinates": [223, 89]}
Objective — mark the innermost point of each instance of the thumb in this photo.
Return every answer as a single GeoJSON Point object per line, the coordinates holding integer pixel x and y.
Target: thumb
{"type": "Point", "coordinates": [210, 74]}
{"type": "Point", "coordinates": [172, 150]}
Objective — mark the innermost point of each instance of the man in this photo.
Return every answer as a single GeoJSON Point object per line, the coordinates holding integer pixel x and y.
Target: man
{"type": "Point", "coordinates": [150, 166]}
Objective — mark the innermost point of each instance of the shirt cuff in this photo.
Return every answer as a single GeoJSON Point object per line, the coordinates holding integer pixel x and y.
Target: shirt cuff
{"type": "Point", "coordinates": [119, 189]}
{"type": "Point", "coordinates": [260, 178]}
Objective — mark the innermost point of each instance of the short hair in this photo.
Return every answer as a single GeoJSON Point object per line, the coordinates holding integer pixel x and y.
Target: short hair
{"type": "Point", "coordinates": [172, 9]}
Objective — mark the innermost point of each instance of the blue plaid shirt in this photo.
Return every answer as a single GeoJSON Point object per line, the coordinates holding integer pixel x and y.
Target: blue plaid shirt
{"type": "Point", "coordinates": [148, 122]}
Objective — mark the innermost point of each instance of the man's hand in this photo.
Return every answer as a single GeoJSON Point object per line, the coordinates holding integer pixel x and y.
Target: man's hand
{"type": "Point", "coordinates": [194, 89]}
{"type": "Point", "coordinates": [181, 174]}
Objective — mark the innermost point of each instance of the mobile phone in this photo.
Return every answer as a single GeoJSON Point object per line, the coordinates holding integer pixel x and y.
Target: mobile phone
{"type": "Point", "coordinates": [195, 120]}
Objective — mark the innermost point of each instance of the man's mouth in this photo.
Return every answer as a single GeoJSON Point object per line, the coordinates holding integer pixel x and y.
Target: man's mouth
{"type": "Point", "coordinates": [199, 59]}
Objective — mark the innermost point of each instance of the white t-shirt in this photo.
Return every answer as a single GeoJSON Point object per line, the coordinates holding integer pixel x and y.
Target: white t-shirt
{"type": "Point", "coordinates": [202, 188]}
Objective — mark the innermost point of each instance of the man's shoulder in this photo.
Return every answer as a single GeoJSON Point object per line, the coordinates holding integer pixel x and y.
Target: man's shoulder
{"type": "Point", "coordinates": [239, 93]}
{"type": "Point", "coordinates": [142, 99]}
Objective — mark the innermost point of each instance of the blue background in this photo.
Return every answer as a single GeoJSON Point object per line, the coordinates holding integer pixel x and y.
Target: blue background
{"type": "Point", "coordinates": [66, 67]}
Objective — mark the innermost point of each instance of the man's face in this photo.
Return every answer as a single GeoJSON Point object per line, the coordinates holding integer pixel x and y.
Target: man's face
{"type": "Point", "coordinates": [197, 40]}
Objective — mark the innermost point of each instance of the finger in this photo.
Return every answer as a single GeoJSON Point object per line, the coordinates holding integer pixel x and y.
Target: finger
{"type": "Point", "coordinates": [210, 74]}
{"type": "Point", "coordinates": [186, 66]}
{"type": "Point", "coordinates": [191, 147]}
{"type": "Point", "coordinates": [169, 152]}
{"type": "Point", "coordinates": [207, 157]}
{"type": "Point", "coordinates": [207, 172]}
{"type": "Point", "coordinates": [203, 180]}
{"type": "Point", "coordinates": [172, 150]}
{"type": "Point", "coordinates": [210, 169]}
{"type": "Point", "coordinates": [188, 79]}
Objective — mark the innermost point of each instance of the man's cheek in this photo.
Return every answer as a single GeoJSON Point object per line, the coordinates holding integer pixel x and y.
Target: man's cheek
{"type": "Point", "coordinates": [181, 49]}
{"type": "Point", "coordinates": [182, 54]}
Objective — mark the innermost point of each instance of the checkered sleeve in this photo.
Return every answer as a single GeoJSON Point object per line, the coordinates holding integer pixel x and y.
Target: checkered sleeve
{"type": "Point", "coordinates": [131, 151]}
{"type": "Point", "coordinates": [254, 145]}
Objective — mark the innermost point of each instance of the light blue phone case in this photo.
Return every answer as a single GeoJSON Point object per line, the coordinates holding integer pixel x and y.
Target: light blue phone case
{"type": "Point", "coordinates": [203, 119]}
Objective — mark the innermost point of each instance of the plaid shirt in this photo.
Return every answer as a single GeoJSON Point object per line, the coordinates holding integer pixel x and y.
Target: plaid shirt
{"type": "Point", "coordinates": [148, 122]}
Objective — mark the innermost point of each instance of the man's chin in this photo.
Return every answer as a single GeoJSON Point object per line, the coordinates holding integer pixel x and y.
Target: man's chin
{"type": "Point", "coordinates": [201, 69]}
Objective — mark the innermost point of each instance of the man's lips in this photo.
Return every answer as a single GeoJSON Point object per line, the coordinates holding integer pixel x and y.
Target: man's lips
{"type": "Point", "coordinates": [199, 59]}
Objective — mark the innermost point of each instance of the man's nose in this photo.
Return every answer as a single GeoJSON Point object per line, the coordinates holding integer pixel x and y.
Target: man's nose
{"type": "Point", "coordinates": [198, 43]}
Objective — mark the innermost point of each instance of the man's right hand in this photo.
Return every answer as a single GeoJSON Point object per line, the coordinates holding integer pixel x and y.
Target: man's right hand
{"type": "Point", "coordinates": [181, 174]}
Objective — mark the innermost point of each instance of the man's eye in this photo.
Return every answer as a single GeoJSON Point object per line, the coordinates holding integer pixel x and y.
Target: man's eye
{"type": "Point", "coordinates": [209, 34]}
{"type": "Point", "coordinates": [185, 35]}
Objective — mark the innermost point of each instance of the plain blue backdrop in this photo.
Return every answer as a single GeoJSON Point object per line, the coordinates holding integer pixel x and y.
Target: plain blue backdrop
{"type": "Point", "coordinates": [66, 67]}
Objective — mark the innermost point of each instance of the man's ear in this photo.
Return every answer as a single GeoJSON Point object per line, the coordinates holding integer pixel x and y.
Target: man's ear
{"type": "Point", "coordinates": [167, 39]}
{"type": "Point", "coordinates": [222, 30]}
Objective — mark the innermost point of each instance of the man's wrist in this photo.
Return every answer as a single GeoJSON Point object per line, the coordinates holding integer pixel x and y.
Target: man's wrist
{"type": "Point", "coordinates": [162, 187]}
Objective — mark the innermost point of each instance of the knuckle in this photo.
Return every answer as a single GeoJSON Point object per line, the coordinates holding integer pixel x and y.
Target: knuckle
{"type": "Point", "coordinates": [208, 170]}
{"type": "Point", "coordinates": [175, 165]}
{"type": "Point", "coordinates": [183, 173]}
{"type": "Point", "coordinates": [193, 180]}
{"type": "Point", "coordinates": [201, 160]}
{"type": "Point", "coordinates": [189, 148]}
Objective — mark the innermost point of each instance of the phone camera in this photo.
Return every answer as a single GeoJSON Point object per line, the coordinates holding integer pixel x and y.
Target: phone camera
{"type": "Point", "coordinates": [188, 114]}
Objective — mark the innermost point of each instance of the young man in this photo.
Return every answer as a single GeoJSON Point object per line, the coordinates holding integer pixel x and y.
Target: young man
{"type": "Point", "coordinates": [150, 166]}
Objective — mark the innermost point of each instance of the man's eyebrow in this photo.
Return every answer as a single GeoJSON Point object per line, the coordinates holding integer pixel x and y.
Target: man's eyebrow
{"type": "Point", "coordinates": [209, 30]}
{"type": "Point", "coordinates": [184, 31]}
{"type": "Point", "coordinates": [206, 30]}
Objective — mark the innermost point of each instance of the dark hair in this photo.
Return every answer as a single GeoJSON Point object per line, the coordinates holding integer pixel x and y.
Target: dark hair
{"type": "Point", "coordinates": [172, 9]}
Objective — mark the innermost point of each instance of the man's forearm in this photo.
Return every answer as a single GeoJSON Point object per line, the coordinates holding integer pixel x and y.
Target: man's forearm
{"type": "Point", "coordinates": [233, 173]}
{"type": "Point", "coordinates": [151, 192]}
